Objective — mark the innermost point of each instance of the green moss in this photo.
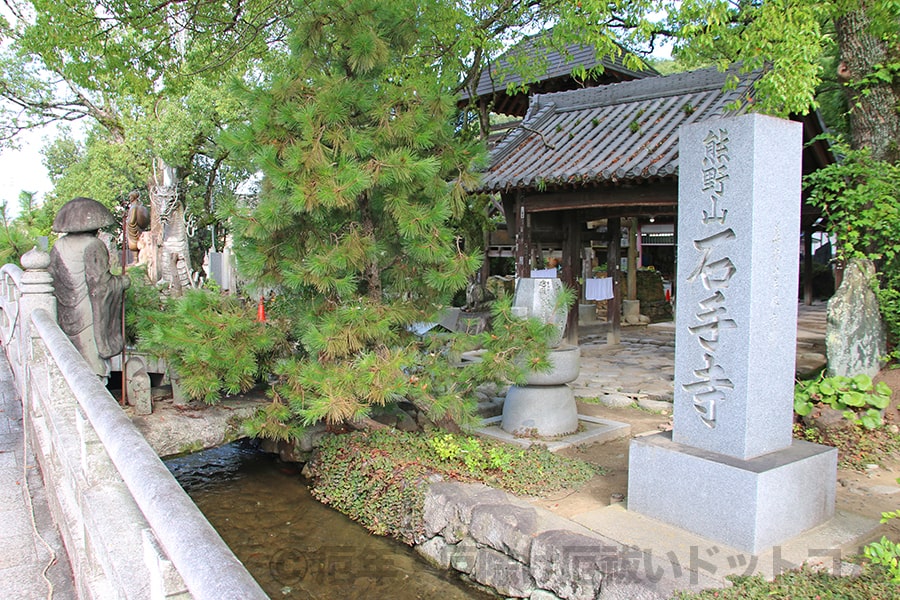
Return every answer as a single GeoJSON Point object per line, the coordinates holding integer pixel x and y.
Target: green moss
{"type": "Point", "coordinates": [191, 447]}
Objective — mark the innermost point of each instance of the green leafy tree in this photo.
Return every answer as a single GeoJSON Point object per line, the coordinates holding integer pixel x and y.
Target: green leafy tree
{"type": "Point", "coordinates": [861, 198]}
{"type": "Point", "coordinates": [810, 51]}
{"type": "Point", "coordinates": [15, 239]}
{"type": "Point", "coordinates": [213, 342]}
{"type": "Point", "coordinates": [101, 168]}
{"type": "Point", "coordinates": [148, 80]}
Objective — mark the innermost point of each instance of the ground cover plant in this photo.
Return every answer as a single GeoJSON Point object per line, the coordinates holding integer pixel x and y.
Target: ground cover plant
{"type": "Point", "coordinates": [379, 478]}
{"type": "Point", "coordinates": [857, 398]}
{"type": "Point", "coordinates": [805, 584]}
{"type": "Point", "coordinates": [847, 413]}
{"type": "Point", "coordinates": [884, 552]}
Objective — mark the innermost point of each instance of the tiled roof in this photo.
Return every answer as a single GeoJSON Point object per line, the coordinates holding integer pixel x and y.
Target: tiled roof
{"type": "Point", "coordinates": [612, 133]}
{"type": "Point", "coordinates": [558, 64]}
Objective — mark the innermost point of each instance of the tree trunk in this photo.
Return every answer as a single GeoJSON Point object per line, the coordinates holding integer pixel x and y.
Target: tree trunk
{"type": "Point", "coordinates": [372, 273]}
{"type": "Point", "coordinates": [874, 117]}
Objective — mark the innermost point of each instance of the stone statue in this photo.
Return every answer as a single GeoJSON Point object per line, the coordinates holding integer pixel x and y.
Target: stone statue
{"type": "Point", "coordinates": [89, 297]}
{"type": "Point", "coordinates": [478, 297]}
{"type": "Point", "coordinates": [137, 220]}
{"type": "Point", "coordinates": [147, 254]}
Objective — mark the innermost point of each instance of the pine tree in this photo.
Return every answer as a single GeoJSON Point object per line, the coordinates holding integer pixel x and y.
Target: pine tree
{"type": "Point", "coordinates": [363, 174]}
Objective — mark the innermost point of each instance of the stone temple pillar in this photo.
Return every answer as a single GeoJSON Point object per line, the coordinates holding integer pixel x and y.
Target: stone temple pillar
{"type": "Point", "coordinates": [730, 469]}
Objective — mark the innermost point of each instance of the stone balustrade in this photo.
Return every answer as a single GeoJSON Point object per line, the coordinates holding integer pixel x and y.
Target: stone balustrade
{"type": "Point", "coordinates": [129, 529]}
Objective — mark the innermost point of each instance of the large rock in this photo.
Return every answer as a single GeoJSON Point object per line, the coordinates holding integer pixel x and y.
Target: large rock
{"type": "Point", "coordinates": [448, 508]}
{"type": "Point", "coordinates": [462, 556]}
{"type": "Point", "coordinates": [855, 336]}
{"type": "Point", "coordinates": [504, 527]}
{"type": "Point", "coordinates": [507, 576]}
{"type": "Point", "coordinates": [569, 564]}
{"type": "Point", "coordinates": [436, 551]}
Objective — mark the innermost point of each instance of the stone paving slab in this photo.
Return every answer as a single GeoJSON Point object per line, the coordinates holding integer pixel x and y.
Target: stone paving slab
{"type": "Point", "coordinates": [825, 546]}
{"type": "Point", "coordinates": [642, 366]}
{"type": "Point", "coordinates": [24, 512]}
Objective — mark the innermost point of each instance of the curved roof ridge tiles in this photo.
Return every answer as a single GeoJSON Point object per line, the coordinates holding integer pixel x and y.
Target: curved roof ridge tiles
{"type": "Point", "coordinates": [643, 89]}
{"type": "Point", "coordinates": [624, 131]}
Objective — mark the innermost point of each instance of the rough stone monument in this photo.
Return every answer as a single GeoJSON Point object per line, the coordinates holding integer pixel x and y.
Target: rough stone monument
{"type": "Point", "coordinates": [89, 298]}
{"type": "Point", "coordinates": [730, 470]}
{"type": "Point", "coordinates": [855, 337]}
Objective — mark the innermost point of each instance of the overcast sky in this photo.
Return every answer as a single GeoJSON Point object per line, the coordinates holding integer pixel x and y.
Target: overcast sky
{"type": "Point", "coordinates": [22, 170]}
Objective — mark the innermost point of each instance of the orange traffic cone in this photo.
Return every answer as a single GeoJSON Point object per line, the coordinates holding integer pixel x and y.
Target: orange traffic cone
{"type": "Point", "coordinates": [261, 312]}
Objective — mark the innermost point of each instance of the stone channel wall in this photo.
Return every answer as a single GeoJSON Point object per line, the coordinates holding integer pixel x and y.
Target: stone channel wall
{"type": "Point", "coordinates": [128, 528]}
{"type": "Point", "coordinates": [521, 551]}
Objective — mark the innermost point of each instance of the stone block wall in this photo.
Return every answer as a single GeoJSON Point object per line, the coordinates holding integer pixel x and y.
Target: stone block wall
{"type": "Point", "coordinates": [521, 551]}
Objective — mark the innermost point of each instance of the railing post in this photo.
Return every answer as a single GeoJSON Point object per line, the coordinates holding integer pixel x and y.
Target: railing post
{"type": "Point", "coordinates": [35, 291]}
{"type": "Point", "coordinates": [36, 285]}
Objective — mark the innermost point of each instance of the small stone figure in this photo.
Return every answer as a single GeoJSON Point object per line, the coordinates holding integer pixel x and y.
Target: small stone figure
{"type": "Point", "coordinates": [89, 297]}
{"type": "Point", "coordinates": [137, 219]}
{"type": "Point", "coordinates": [147, 254]}
{"type": "Point", "coordinates": [478, 297]}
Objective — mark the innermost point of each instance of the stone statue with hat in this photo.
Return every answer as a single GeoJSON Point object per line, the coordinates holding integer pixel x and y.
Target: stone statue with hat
{"type": "Point", "coordinates": [89, 297]}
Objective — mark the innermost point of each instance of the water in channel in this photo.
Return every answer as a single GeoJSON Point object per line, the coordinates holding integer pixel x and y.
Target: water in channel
{"type": "Point", "coordinates": [295, 547]}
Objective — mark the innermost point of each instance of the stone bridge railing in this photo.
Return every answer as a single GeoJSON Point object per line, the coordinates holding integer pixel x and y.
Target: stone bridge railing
{"type": "Point", "coordinates": [129, 529]}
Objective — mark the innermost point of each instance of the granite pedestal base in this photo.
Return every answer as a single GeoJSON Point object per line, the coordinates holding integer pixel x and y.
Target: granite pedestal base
{"type": "Point", "coordinates": [751, 505]}
{"type": "Point", "coordinates": [540, 410]}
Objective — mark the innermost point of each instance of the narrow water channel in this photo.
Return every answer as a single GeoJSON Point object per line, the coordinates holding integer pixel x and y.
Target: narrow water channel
{"type": "Point", "coordinates": [295, 547]}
